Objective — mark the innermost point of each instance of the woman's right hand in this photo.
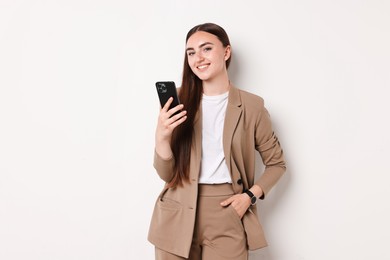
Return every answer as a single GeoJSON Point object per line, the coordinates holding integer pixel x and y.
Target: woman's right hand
{"type": "Point", "coordinates": [165, 126]}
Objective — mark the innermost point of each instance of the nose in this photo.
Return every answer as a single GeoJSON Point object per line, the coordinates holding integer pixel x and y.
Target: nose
{"type": "Point", "coordinates": [199, 56]}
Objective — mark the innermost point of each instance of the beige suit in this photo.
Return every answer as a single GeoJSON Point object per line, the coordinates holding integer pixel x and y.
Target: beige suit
{"type": "Point", "coordinates": [247, 128]}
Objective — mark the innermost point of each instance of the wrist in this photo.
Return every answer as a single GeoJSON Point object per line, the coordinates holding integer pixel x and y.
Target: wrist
{"type": "Point", "coordinates": [164, 150]}
{"type": "Point", "coordinates": [252, 197]}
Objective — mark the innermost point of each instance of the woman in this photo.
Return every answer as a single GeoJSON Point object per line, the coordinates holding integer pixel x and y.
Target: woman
{"type": "Point", "coordinates": [206, 156]}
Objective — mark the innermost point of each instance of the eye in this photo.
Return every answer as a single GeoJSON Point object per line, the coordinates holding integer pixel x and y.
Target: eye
{"type": "Point", "coordinates": [206, 49]}
{"type": "Point", "coordinates": [190, 53]}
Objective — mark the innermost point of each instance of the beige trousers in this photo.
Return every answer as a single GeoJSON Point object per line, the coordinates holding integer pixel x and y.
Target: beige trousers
{"type": "Point", "coordinates": [219, 233]}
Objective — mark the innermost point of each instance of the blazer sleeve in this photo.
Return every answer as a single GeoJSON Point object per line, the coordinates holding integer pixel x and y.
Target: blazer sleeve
{"type": "Point", "coordinates": [267, 144]}
{"type": "Point", "coordinates": [164, 167]}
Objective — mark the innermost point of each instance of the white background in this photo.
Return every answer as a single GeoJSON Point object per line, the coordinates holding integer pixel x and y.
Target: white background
{"type": "Point", "coordinates": [78, 110]}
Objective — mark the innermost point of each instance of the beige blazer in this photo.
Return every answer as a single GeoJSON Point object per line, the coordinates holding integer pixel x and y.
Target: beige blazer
{"type": "Point", "coordinates": [247, 129]}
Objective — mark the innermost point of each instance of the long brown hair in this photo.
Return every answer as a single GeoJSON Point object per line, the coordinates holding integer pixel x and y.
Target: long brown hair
{"type": "Point", "coordinates": [190, 96]}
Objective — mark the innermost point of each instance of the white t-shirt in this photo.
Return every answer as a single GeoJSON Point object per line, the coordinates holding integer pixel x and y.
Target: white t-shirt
{"type": "Point", "coordinates": [213, 169]}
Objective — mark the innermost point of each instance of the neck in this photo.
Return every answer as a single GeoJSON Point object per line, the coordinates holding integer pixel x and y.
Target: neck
{"type": "Point", "coordinates": [216, 86]}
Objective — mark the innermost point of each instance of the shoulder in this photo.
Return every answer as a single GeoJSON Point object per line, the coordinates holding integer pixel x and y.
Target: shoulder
{"type": "Point", "coordinates": [249, 100]}
{"type": "Point", "coordinates": [250, 97]}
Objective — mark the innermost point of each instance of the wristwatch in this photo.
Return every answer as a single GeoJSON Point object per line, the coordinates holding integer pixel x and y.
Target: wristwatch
{"type": "Point", "coordinates": [252, 196]}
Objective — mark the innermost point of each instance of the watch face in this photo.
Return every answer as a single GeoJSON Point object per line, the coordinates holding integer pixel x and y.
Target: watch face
{"type": "Point", "coordinates": [253, 200]}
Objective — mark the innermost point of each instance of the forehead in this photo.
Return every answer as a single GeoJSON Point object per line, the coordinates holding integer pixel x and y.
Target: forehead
{"type": "Point", "coordinates": [201, 37]}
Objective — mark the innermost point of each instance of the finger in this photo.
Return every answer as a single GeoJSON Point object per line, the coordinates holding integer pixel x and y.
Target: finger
{"type": "Point", "coordinates": [175, 109]}
{"type": "Point", "coordinates": [177, 116]}
{"type": "Point", "coordinates": [227, 201]}
{"type": "Point", "coordinates": [178, 122]}
{"type": "Point", "coordinates": [167, 104]}
{"type": "Point", "coordinates": [169, 120]}
{"type": "Point", "coordinates": [166, 116]}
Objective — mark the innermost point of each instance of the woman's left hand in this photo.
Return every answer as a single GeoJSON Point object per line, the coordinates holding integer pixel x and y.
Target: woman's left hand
{"type": "Point", "coordinates": [240, 202]}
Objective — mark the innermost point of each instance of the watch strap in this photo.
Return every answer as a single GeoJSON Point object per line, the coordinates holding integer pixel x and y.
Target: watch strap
{"type": "Point", "coordinates": [251, 196]}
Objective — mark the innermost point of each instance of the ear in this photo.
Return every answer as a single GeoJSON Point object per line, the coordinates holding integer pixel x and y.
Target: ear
{"type": "Point", "coordinates": [228, 52]}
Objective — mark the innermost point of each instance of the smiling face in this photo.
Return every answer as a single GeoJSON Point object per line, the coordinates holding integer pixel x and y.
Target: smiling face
{"type": "Point", "coordinates": [207, 56]}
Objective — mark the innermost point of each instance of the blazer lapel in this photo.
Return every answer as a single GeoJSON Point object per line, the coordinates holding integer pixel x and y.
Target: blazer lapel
{"type": "Point", "coordinates": [233, 113]}
{"type": "Point", "coordinates": [197, 141]}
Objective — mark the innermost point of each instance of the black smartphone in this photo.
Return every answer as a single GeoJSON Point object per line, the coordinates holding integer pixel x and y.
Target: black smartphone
{"type": "Point", "coordinates": [165, 90]}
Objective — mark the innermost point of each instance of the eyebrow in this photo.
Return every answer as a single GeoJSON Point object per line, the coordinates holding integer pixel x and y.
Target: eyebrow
{"type": "Point", "coordinates": [200, 46]}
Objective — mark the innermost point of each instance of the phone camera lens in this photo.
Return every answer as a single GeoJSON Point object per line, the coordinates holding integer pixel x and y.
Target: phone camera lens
{"type": "Point", "coordinates": [162, 88]}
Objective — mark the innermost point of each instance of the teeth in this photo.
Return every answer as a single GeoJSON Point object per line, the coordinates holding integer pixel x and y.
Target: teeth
{"type": "Point", "coordinates": [202, 67]}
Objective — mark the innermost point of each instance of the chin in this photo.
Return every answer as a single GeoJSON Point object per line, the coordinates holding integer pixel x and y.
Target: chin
{"type": "Point", "coordinates": [203, 77]}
